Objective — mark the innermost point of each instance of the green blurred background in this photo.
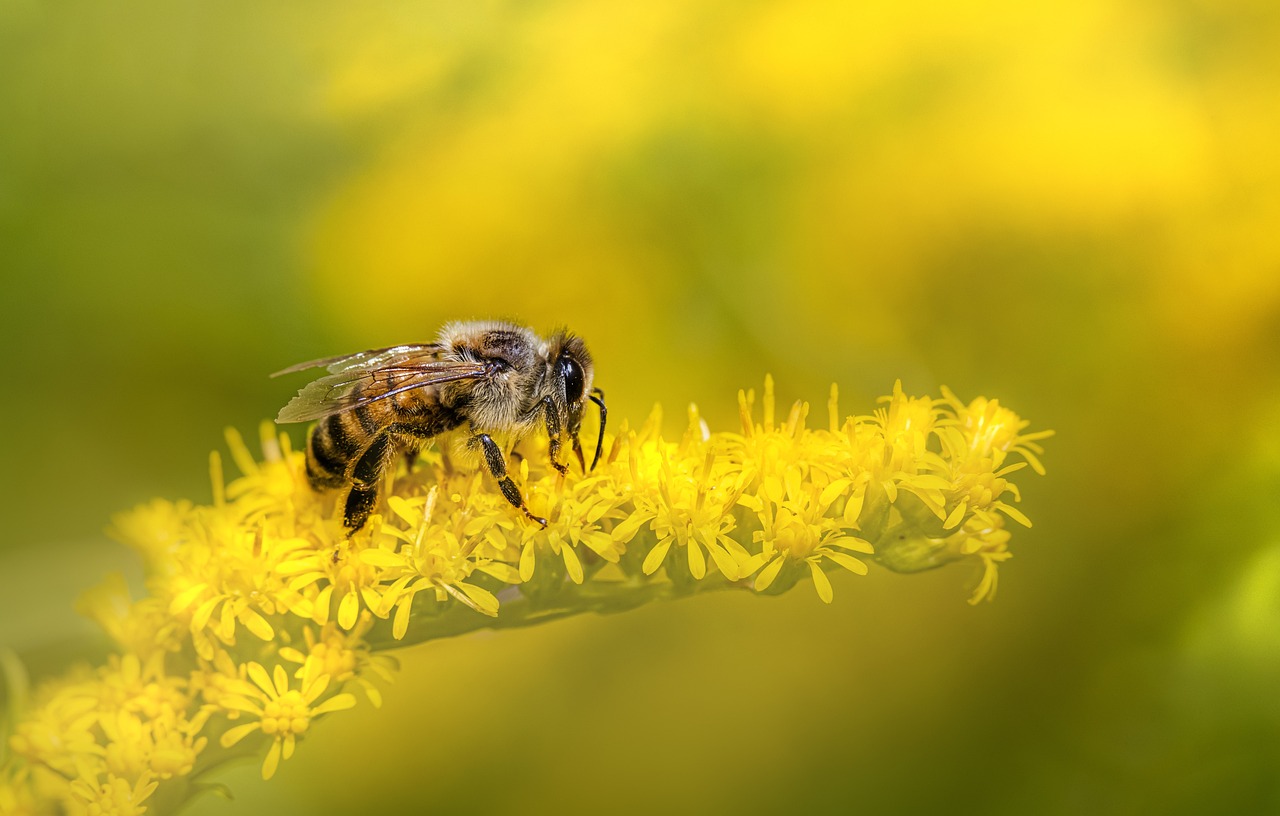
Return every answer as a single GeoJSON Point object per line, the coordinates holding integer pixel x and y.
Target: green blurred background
{"type": "Point", "coordinates": [1074, 208]}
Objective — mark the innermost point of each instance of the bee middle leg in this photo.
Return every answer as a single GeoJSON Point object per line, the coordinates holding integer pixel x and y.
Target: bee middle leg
{"type": "Point", "coordinates": [411, 458]}
{"type": "Point", "coordinates": [498, 467]}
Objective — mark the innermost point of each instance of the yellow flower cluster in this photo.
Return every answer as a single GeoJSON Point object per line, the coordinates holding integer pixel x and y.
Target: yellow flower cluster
{"type": "Point", "coordinates": [262, 609]}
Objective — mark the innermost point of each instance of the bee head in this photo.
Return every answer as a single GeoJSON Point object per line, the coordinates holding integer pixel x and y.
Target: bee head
{"type": "Point", "coordinates": [574, 373]}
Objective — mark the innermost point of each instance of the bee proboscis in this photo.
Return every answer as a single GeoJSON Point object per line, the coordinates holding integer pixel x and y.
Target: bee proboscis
{"type": "Point", "coordinates": [480, 379]}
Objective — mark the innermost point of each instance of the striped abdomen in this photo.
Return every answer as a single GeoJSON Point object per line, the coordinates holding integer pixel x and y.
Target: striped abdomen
{"type": "Point", "coordinates": [354, 446]}
{"type": "Point", "coordinates": [334, 445]}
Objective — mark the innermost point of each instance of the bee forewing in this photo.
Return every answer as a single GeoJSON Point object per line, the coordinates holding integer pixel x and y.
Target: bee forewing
{"type": "Point", "coordinates": [352, 388]}
{"type": "Point", "coordinates": [368, 360]}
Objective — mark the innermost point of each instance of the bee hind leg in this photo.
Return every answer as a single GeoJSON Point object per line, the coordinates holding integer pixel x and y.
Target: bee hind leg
{"type": "Point", "coordinates": [366, 475]}
{"type": "Point", "coordinates": [498, 467]}
{"type": "Point", "coordinates": [359, 505]}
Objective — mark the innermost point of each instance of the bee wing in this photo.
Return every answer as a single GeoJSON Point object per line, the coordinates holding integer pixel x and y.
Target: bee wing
{"type": "Point", "coordinates": [360, 379]}
{"type": "Point", "coordinates": [412, 353]}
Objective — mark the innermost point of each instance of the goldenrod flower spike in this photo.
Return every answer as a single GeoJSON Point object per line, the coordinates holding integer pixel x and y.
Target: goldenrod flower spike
{"type": "Point", "coordinates": [262, 611]}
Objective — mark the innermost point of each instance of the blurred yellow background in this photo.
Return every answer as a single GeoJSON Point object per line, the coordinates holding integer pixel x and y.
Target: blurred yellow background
{"type": "Point", "coordinates": [1073, 208]}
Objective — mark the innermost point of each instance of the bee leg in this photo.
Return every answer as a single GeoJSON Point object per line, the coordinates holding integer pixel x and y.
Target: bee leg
{"type": "Point", "coordinates": [366, 474]}
{"type": "Point", "coordinates": [597, 396]}
{"type": "Point", "coordinates": [360, 503]}
{"type": "Point", "coordinates": [554, 432]}
{"type": "Point", "coordinates": [410, 459]}
{"type": "Point", "coordinates": [498, 467]}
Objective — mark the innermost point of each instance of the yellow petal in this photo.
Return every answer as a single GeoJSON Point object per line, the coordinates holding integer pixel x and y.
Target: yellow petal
{"type": "Point", "coordinates": [392, 594]}
{"type": "Point", "coordinates": [484, 600]}
{"type": "Point", "coordinates": [821, 583]}
{"type": "Point", "coordinates": [349, 610]}
{"type": "Point", "coordinates": [794, 485]}
{"type": "Point", "coordinates": [656, 556]}
{"type": "Point", "coordinates": [323, 600]}
{"type": "Point", "coordinates": [261, 679]}
{"type": "Point", "coordinates": [226, 627]}
{"type": "Point", "coordinates": [272, 761]}
{"type": "Point", "coordinates": [751, 564]}
{"type": "Point", "coordinates": [1031, 458]}
{"type": "Point", "coordinates": [1007, 469]}
{"type": "Point", "coordinates": [957, 515]}
{"type": "Point", "coordinates": [527, 561]}
{"type": "Point", "coordinates": [1013, 513]}
{"type": "Point", "coordinates": [401, 623]}
{"type": "Point", "coordinates": [305, 579]}
{"type": "Point", "coordinates": [890, 489]}
{"type": "Point", "coordinates": [601, 543]}
{"type": "Point", "coordinates": [234, 735]}
{"type": "Point", "coordinates": [300, 606]}
{"type": "Point", "coordinates": [237, 703]}
{"type": "Point", "coordinates": [853, 507]}
{"type": "Point", "coordinates": [315, 687]}
{"type": "Point", "coordinates": [832, 491]}
{"type": "Point", "coordinates": [751, 502]}
{"type": "Point", "coordinates": [282, 680]}
{"type": "Point", "coordinates": [381, 558]}
{"type": "Point", "coordinates": [185, 598]}
{"type": "Point", "coordinates": [410, 514]}
{"type": "Point", "coordinates": [727, 565]}
{"type": "Point", "coordinates": [771, 488]}
{"type": "Point", "coordinates": [203, 612]}
{"type": "Point", "coordinates": [256, 624]}
{"type": "Point", "coordinates": [504, 572]}
{"type": "Point", "coordinates": [852, 543]}
{"type": "Point", "coordinates": [697, 560]}
{"type": "Point", "coordinates": [338, 702]}
{"type": "Point", "coordinates": [571, 563]}
{"type": "Point", "coordinates": [735, 549]}
{"type": "Point", "coordinates": [848, 562]}
{"type": "Point", "coordinates": [371, 691]}
{"type": "Point", "coordinates": [628, 527]}
{"type": "Point", "coordinates": [769, 573]}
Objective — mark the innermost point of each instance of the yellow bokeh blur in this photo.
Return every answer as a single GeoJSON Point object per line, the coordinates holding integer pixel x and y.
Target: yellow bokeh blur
{"type": "Point", "coordinates": [1070, 208]}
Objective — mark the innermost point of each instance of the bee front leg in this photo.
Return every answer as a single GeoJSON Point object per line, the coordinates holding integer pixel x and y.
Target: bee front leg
{"type": "Point", "coordinates": [498, 467]}
{"type": "Point", "coordinates": [554, 434]}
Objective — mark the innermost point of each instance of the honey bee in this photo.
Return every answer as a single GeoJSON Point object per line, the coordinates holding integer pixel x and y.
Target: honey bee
{"type": "Point", "coordinates": [495, 378]}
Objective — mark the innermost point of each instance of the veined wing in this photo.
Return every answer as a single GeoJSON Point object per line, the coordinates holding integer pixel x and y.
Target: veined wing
{"type": "Point", "coordinates": [410, 354]}
{"type": "Point", "coordinates": [354, 386]}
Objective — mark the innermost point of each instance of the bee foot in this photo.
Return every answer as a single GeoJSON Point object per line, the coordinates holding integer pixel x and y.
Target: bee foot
{"type": "Point", "coordinates": [541, 521]}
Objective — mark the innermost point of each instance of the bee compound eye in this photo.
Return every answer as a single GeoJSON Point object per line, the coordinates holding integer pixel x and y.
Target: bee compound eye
{"type": "Point", "coordinates": [572, 373]}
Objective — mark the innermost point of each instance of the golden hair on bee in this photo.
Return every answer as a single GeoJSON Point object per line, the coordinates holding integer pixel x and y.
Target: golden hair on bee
{"type": "Point", "coordinates": [478, 380]}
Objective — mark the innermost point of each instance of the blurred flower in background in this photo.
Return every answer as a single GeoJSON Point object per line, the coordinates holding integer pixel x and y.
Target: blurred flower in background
{"type": "Point", "coordinates": [1072, 209]}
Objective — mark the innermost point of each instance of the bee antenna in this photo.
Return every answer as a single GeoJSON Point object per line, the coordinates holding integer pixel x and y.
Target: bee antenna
{"type": "Point", "coordinates": [604, 413]}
